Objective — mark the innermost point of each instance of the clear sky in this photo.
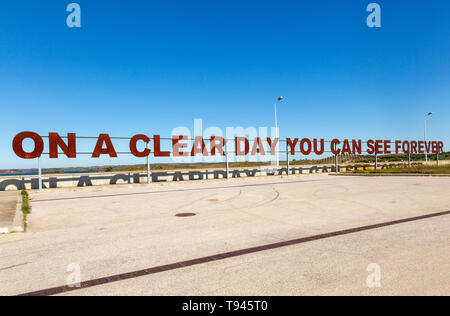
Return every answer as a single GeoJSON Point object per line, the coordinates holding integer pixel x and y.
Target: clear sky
{"type": "Point", "coordinates": [149, 66]}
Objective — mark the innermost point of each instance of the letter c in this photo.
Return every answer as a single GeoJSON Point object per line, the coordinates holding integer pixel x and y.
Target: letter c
{"type": "Point", "coordinates": [334, 150]}
{"type": "Point", "coordinates": [133, 147]}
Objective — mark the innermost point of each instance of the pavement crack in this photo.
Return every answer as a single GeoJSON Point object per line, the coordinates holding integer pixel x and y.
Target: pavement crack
{"type": "Point", "coordinates": [15, 266]}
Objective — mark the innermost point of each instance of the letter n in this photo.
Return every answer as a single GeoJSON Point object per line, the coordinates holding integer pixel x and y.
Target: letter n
{"type": "Point", "coordinates": [69, 149]}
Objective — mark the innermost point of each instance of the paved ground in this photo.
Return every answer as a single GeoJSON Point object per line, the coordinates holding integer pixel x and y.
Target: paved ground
{"type": "Point", "coordinates": [109, 231]}
{"type": "Point", "coordinates": [8, 203]}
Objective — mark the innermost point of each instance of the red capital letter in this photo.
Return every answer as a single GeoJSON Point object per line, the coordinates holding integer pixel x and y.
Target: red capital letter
{"type": "Point", "coordinates": [239, 151]}
{"type": "Point", "coordinates": [99, 150]}
{"type": "Point", "coordinates": [334, 150]}
{"type": "Point", "coordinates": [18, 145]}
{"type": "Point", "coordinates": [157, 144]}
{"type": "Point", "coordinates": [133, 146]}
{"type": "Point", "coordinates": [70, 150]}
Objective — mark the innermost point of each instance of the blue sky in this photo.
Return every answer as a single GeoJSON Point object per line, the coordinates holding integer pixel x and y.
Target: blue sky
{"type": "Point", "coordinates": [150, 66]}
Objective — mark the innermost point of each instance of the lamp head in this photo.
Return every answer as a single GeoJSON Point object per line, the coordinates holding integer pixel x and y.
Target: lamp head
{"type": "Point", "coordinates": [280, 98]}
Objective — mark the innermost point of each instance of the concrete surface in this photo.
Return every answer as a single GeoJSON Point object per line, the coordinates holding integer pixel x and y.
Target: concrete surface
{"type": "Point", "coordinates": [113, 230]}
{"type": "Point", "coordinates": [8, 206]}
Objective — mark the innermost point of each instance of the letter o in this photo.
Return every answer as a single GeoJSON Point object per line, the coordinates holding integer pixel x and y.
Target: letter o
{"type": "Point", "coordinates": [304, 151]}
{"type": "Point", "coordinates": [405, 147]}
{"type": "Point", "coordinates": [18, 145]}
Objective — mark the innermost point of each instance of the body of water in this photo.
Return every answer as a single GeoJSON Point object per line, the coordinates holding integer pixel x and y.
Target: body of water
{"type": "Point", "coordinates": [36, 173]}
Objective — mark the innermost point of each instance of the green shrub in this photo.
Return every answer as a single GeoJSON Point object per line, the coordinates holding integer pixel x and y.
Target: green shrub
{"type": "Point", "coordinates": [26, 207]}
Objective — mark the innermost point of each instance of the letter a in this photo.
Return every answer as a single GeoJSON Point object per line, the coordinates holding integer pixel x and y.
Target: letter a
{"type": "Point", "coordinates": [74, 18]}
{"type": "Point", "coordinates": [374, 18]}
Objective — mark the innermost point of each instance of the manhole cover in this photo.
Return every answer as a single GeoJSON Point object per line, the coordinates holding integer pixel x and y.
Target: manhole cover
{"type": "Point", "coordinates": [185, 215]}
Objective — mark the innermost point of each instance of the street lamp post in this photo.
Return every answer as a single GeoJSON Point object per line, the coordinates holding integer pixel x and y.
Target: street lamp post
{"type": "Point", "coordinates": [276, 131]}
{"type": "Point", "coordinates": [425, 132]}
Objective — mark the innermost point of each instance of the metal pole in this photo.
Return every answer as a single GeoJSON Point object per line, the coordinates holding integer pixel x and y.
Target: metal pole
{"type": "Point", "coordinates": [226, 159]}
{"type": "Point", "coordinates": [409, 159]}
{"type": "Point", "coordinates": [287, 157]}
{"type": "Point", "coordinates": [437, 158]}
{"type": "Point", "coordinates": [149, 179]}
{"type": "Point", "coordinates": [336, 162]}
{"type": "Point", "coordinates": [40, 173]}
{"type": "Point", "coordinates": [425, 135]}
{"type": "Point", "coordinates": [376, 161]}
{"type": "Point", "coordinates": [276, 136]}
